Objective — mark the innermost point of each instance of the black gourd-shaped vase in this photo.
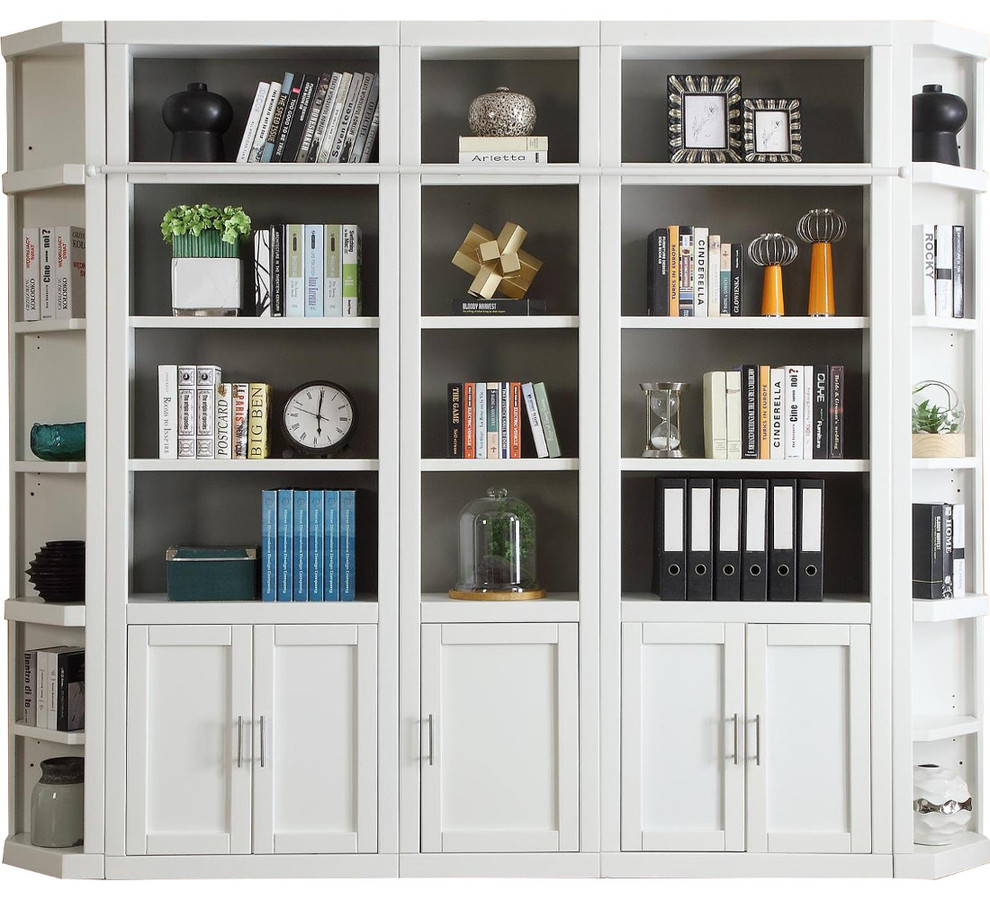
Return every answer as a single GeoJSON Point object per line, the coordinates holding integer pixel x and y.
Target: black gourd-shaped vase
{"type": "Point", "coordinates": [936, 121]}
{"type": "Point", "coordinates": [197, 119]}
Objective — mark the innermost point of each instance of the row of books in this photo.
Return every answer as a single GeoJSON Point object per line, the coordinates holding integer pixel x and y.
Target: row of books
{"type": "Point", "coordinates": [484, 420]}
{"type": "Point", "coordinates": [54, 688]}
{"type": "Point", "coordinates": [307, 270]}
{"type": "Point", "coordinates": [329, 118]}
{"type": "Point", "coordinates": [942, 269]}
{"type": "Point", "coordinates": [750, 539]}
{"type": "Point", "coordinates": [524, 150]}
{"type": "Point", "coordinates": [53, 272]}
{"type": "Point", "coordinates": [938, 550]}
{"type": "Point", "coordinates": [782, 412]}
{"type": "Point", "coordinates": [308, 546]}
{"type": "Point", "coordinates": [200, 416]}
{"type": "Point", "coordinates": [692, 272]}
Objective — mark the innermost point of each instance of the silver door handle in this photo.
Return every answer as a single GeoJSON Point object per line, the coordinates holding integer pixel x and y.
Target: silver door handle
{"type": "Point", "coordinates": [262, 742]}
{"type": "Point", "coordinates": [430, 729]}
{"type": "Point", "coordinates": [757, 740]}
{"type": "Point", "coordinates": [240, 741]}
{"type": "Point", "coordinates": [735, 739]}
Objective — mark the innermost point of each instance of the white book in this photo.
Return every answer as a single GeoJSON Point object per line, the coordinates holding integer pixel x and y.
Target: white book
{"type": "Point", "coordinates": [241, 398]}
{"type": "Point", "coordinates": [207, 379]}
{"type": "Point", "coordinates": [700, 270]}
{"type": "Point", "coordinates": [502, 158]}
{"type": "Point", "coordinates": [943, 270]}
{"type": "Point", "coordinates": [46, 299]}
{"type": "Point", "coordinates": [733, 414]}
{"type": "Point", "coordinates": [251, 126]}
{"type": "Point", "coordinates": [295, 277]}
{"type": "Point", "coordinates": [794, 412]}
{"type": "Point", "coordinates": [326, 111]}
{"type": "Point", "coordinates": [958, 549]}
{"type": "Point", "coordinates": [357, 116]}
{"type": "Point", "coordinates": [31, 274]}
{"type": "Point", "coordinates": [29, 688]}
{"type": "Point", "coordinates": [535, 423]}
{"type": "Point", "coordinates": [924, 268]}
{"type": "Point", "coordinates": [340, 98]}
{"type": "Point", "coordinates": [714, 276]}
{"type": "Point", "coordinates": [333, 271]}
{"type": "Point", "coordinates": [350, 101]}
{"type": "Point", "coordinates": [777, 413]}
{"type": "Point", "coordinates": [369, 144]}
{"type": "Point", "coordinates": [367, 117]}
{"type": "Point", "coordinates": [41, 671]}
{"type": "Point", "coordinates": [168, 412]}
{"type": "Point", "coordinates": [224, 417]}
{"type": "Point", "coordinates": [808, 414]}
{"type": "Point", "coordinates": [470, 143]}
{"type": "Point", "coordinates": [263, 273]}
{"type": "Point", "coordinates": [186, 428]}
{"type": "Point", "coordinates": [265, 122]}
{"type": "Point", "coordinates": [70, 272]}
{"type": "Point", "coordinates": [713, 386]}
{"type": "Point", "coordinates": [480, 420]}
{"type": "Point", "coordinates": [313, 271]}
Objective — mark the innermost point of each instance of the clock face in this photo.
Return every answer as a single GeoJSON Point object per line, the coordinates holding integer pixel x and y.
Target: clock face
{"type": "Point", "coordinates": [318, 417]}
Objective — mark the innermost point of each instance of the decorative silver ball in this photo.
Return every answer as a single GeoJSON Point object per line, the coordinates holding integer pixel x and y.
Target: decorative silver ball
{"type": "Point", "coordinates": [821, 226]}
{"type": "Point", "coordinates": [773, 249]}
{"type": "Point", "coordinates": [502, 113]}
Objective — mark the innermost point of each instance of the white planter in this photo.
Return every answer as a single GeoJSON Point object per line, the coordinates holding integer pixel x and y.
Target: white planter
{"type": "Point", "coordinates": [206, 286]}
{"type": "Point", "coordinates": [941, 799]}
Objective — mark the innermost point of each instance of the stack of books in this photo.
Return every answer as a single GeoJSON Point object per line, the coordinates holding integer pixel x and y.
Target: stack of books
{"type": "Point", "coordinates": [484, 420]}
{"type": "Point", "coordinates": [307, 270]}
{"type": "Point", "coordinates": [939, 550]}
{"type": "Point", "coordinates": [330, 118]}
{"type": "Point", "coordinates": [200, 416]}
{"type": "Point", "coordinates": [53, 270]}
{"type": "Point", "coordinates": [54, 688]}
{"type": "Point", "coordinates": [942, 269]}
{"type": "Point", "coordinates": [750, 539]}
{"type": "Point", "coordinates": [525, 150]}
{"type": "Point", "coordinates": [764, 412]}
{"type": "Point", "coordinates": [692, 272]}
{"type": "Point", "coordinates": [308, 545]}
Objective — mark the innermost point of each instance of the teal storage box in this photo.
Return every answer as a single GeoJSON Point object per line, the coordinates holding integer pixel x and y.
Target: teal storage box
{"type": "Point", "coordinates": [212, 573]}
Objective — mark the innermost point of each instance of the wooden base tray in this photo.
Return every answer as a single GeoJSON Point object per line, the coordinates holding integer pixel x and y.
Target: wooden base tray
{"type": "Point", "coordinates": [538, 594]}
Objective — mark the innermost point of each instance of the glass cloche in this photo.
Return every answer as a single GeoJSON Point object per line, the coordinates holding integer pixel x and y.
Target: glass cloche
{"type": "Point", "coordinates": [497, 537]}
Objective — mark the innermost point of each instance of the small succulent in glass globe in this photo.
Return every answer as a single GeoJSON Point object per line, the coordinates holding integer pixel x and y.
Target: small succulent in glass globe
{"type": "Point", "coordinates": [937, 418]}
{"type": "Point", "coordinates": [821, 228]}
{"type": "Point", "coordinates": [773, 251]}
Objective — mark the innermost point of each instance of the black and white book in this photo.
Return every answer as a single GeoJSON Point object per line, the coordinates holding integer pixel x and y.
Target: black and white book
{"type": "Point", "coordinates": [347, 113]}
{"type": "Point", "coordinates": [958, 271]}
{"type": "Point", "coordinates": [186, 427]}
{"type": "Point", "coordinates": [254, 117]}
{"type": "Point", "coordinates": [207, 379]}
{"type": "Point", "coordinates": [313, 119]}
{"type": "Point", "coordinates": [367, 117]}
{"type": "Point", "coordinates": [265, 122]}
{"type": "Point", "coordinates": [29, 688]}
{"type": "Point", "coordinates": [224, 418]}
{"type": "Point", "coordinates": [357, 116]}
{"type": "Point", "coordinates": [263, 273]}
{"type": "Point", "coordinates": [278, 116]}
{"type": "Point", "coordinates": [336, 113]}
{"type": "Point", "coordinates": [326, 111]}
{"type": "Point", "coordinates": [943, 270]}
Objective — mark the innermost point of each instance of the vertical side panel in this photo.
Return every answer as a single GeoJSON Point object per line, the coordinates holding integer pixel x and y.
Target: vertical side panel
{"type": "Point", "coordinates": [589, 130]}
{"type": "Point", "coordinates": [367, 739]}
{"type": "Point", "coordinates": [611, 107]}
{"type": "Point", "coordinates": [241, 705]}
{"type": "Point", "coordinates": [568, 788]}
{"type": "Point", "coordinates": [118, 104]}
{"type": "Point", "coordinates": [860, 823]}
{"type": "Point", "coordinates": [734, 672]}
{"type": "Point", "coordinates": [137, 740]}
{"type": "Point", "coordinates": [263, 813]}
{"type": "Point", "coordinates": [410, 140]}
{"type": "Point", "coordinates": [430, 756]}
{"type": "Point", "coordinates": [632, 737]}
{"type": "Point", "coordinates": [391, 94]}
{"type": "Point", "coordinates": [756, 706]}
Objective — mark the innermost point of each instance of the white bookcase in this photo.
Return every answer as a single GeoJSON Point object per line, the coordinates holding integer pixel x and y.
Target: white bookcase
{"type": "Point", "coordinates": [598, 731]}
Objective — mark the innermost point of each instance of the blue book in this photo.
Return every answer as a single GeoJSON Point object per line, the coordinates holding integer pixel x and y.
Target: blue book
{"type": "Point", "coordinates": [300, 545]}
{"type": "Point", "coordinates": [269, 529]}
{"type": "Point", "coordinates": [315, 545]}
{"type": "Point", "coordinates": [283, 546]}
{"type": "Point", "coordinates": [347, 549]}
{"type": "Point", "coordinates": [331, 545]}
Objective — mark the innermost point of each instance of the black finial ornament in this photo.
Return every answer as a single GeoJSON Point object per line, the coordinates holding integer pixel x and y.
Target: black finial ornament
{"type": "Point", "coordinates": [936, 121]}
{"type": "Point", "coordinates": [197, 119]}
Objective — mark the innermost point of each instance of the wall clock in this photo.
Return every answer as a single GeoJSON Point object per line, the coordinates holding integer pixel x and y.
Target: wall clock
{"type": "Point", "coordinates": [318, 418]}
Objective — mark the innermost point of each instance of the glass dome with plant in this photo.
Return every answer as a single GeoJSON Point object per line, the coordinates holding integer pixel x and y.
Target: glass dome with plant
{"type": "Point", "coordinates": [203, 230]}
{"type": "Point", "coordinates": [937, 417]}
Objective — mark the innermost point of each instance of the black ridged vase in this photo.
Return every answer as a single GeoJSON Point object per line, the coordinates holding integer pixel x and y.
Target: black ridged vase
{"type": "Point", "coordinates": [937, 119]}
{"type": "Point", "coordinates": [197, 119]}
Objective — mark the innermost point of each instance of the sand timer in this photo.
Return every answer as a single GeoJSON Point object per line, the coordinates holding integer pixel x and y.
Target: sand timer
{"type": "Point", "coordinates": [663, 419]}
{"type": "Point", "coordinates": [772, 252]}
{"type": "Point", "coordinates": [821, 228]}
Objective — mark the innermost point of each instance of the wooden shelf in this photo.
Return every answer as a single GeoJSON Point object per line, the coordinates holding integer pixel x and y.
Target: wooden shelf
{"type": "Point", "coordinates": [937, 728]}
{"type": "Point", "coordinates": [841, 609]}
{"type": "Point", "coordinates": [964, 462]}
{"type": "Point", "coordinates": [253, 322]}
{"type": "Point", "coordinates": [553, 608]}
{"type": "Point", "coordinates": [47, 326]}
{"type": "Point", "coordinates": [965, 852]}
{"type": "Point", "coordinates": [639, 464]}
{"type": "Point", "coordinates": [560, 464]}
{"type": "Point", "coordinates": [949, 176]}
{"type": "Point", "coordinates": [749, 323]}
{"type": "Point", "coordinates": [253, 465]}
{"type": "Point", "coordinates": [43, 467]}
{"type": "Point", "coordinates": [70, 738]}
{"type": "Point", "coordinates": [36, 611]}
{"type": "Point", "coordinates": [67, 862]}
{"type": "Point", "coordinates": [969, 606]}
{"type": "Point", "coordinates": [943, 323]}
{"type": "Point", "coordinates": [157, 609]}
{"type": "Point", "coordinates": [513, 322]}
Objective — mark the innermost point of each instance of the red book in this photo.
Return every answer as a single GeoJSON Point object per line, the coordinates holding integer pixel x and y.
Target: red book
{"type": "Point", "coordinates": [515, 420]}
{"type": "Point", "coordinates": [469, 420]}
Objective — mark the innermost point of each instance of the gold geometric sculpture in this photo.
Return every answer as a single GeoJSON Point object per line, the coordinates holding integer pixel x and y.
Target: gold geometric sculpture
{"type": "Point", "coordinates": [497, 264]}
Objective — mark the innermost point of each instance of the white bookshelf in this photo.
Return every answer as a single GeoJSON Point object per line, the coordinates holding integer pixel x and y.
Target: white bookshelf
{"type": "Point", "coordinates": [456, 699]}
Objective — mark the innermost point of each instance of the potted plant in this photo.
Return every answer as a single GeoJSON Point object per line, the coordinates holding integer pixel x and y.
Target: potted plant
{"type": "Point", "coordinates": [206, 265]}
{"type": "Point", "coordinates": [937, 417]}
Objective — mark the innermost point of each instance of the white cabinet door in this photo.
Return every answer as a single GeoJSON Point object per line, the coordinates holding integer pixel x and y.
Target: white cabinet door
{"type": "Point", "coordinates": [315, 747]}
{"type": "Point", "coordinates": [683, 772]}
{"type": "Point", "coordinates": [188, 739]}
{"type": "Point", "coordinates": [808, 738]}
{"type": "Point", "coordinates": [499, 760]}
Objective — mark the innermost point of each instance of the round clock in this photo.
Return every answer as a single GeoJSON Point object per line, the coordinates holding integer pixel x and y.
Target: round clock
{"type": "Point", "coordinates": [318, 418]}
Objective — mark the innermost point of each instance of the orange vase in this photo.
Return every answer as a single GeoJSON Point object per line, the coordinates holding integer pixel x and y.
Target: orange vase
{"type": "Point", "coordinates": [821, 291]}
{"type": "Point", "coordinates": [773, 292]}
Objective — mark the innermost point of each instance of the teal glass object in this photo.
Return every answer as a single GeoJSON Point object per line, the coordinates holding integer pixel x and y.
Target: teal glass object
{"type": "Point", "coordinates": [59, 443]}
{"type": "Point", "coordinates": [57, 803]}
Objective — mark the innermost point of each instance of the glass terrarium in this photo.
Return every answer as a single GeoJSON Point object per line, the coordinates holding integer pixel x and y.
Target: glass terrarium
{"type": "Point", "coordinates": [497, 537]}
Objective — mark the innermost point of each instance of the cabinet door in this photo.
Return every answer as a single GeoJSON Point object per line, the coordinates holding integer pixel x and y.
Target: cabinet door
{"type": "Point", "coordinates": [316, 735]}
{"type": "Point", "coordinates": [808, 738]}
{"type": "Point", "coordinates": [683, 772]}
{"type": "Point", "coordinates": [188, 722]}
{"type": "Point", "coordinates": [499, 768]}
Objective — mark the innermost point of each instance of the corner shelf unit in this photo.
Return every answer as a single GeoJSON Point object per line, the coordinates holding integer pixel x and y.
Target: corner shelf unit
{"type": "Point", "coordinates": [493, 738]}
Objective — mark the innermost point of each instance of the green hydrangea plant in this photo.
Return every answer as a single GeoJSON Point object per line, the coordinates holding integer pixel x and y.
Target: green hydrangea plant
{"type": "Point", "coordinates": [205, 230]}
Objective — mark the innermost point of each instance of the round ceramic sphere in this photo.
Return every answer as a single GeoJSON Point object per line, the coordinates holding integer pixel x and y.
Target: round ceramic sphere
{"type": "Point", "coordinates": [947, 793]}
{"type": "Point", "coordinates": [502, 113]}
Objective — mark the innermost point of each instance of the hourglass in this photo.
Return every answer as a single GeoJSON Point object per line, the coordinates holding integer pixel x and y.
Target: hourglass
{"type": "Point", "coordinates": [663, 419]}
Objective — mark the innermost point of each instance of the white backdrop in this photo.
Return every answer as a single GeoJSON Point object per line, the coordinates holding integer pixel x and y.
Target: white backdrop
{"type": "Point", "coordinates": [20, 16]}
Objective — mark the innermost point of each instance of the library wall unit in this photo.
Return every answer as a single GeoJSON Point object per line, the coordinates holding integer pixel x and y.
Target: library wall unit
{"type": "Point", "coordinates": [445, 737]}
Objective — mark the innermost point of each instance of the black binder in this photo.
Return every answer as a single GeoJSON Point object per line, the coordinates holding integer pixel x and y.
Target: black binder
{"type": "Point", "coordinates": [811, 540]}
{"type": "Point", "coordinates": [728, 521]}
{"type": "Point", "coordinates": [756, 499]}
{"type": "Point", "coordinates": [782, 578]}
{"type": "Point", "coordinates": [670, 521]}
{"type": "Point", "coordinates": [699, 532]}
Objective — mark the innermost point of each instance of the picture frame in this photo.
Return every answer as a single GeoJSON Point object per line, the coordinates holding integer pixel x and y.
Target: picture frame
{"type": "Point", "coordinates": [704, 118]}
{"type": "Point", "coordinates": [772, 130]}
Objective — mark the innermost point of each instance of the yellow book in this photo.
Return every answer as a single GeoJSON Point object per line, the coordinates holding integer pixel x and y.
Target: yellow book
{"type": "Point", "coordinates": [764, 412]}
{"type": "Point", "coordinates": [673, 267]}
{"type": "Point", "coordinates": [259, 410]}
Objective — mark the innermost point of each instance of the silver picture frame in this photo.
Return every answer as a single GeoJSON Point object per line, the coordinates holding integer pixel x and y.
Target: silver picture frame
{"type": "Point", "coordinates": [704, 118]}
{"type": "Point", "coordinates": [772, 130]}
